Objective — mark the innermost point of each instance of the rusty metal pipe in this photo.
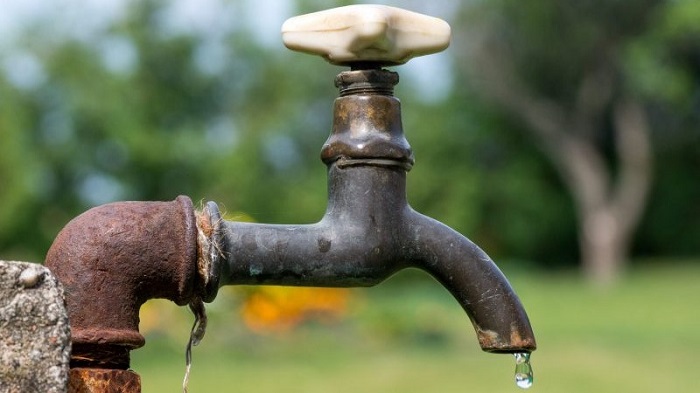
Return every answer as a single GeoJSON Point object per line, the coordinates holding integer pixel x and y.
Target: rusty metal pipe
{"type": "Point", "coordinates": [112, 259]}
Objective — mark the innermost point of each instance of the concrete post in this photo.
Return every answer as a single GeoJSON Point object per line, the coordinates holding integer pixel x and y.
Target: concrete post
{"type": "Point", "coordinates": [34, 330]}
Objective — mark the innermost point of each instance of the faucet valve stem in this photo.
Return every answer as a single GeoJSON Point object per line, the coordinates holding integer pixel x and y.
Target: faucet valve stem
{"type": "Point", "coordinates": [366, 82]}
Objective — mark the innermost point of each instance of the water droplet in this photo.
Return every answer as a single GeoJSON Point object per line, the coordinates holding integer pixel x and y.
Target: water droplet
{"type": "Point", "coordinates": [523, 370]}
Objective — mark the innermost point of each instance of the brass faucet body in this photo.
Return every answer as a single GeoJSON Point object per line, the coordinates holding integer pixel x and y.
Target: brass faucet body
{"type": "Point", "coordinates": [369, 231]}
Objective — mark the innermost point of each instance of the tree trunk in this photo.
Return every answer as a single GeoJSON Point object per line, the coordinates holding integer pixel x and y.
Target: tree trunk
{"type": "Point", "coordinates": [604, 249]}
{"type": "Point", "coordinates": [609, 202]}
{"type": "Point", "coordinates": [608, 206]}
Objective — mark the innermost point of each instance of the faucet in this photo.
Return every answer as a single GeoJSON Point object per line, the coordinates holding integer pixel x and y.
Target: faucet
{"type": "Point", "coordinates": [114, 257]}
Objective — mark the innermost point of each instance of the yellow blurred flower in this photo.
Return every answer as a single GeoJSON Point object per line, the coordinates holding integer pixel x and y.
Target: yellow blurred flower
{"type": "Point", "coordinates": [279, 309]}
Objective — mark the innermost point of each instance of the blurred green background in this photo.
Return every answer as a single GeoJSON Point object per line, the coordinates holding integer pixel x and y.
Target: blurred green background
{"type": "Point", "coordinates": [408, 335]}
{"type": "Point", "coordinates": [563, 137]}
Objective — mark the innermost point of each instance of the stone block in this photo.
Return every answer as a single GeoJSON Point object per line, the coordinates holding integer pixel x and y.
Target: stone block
{"type": "Point", "coordinates": [34, 330]}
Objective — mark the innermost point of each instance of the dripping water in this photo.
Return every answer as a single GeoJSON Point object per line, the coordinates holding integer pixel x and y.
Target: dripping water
{"type": "Point", "coordinates": [523, 370]}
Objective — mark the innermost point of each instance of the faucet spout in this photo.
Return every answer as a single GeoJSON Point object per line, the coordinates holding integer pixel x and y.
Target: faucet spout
{"type": "Point", "coordinates": [498, 317]}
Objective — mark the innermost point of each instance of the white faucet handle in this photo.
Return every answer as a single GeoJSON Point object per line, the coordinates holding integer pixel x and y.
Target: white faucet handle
{"type": "Point", "coordinates": [366, 34]}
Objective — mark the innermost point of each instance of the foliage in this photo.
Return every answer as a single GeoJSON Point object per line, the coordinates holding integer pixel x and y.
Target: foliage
{"type": "Point", "coordinates": [665, 68]}
{"type": "Point", "coordinates": [141, 109]}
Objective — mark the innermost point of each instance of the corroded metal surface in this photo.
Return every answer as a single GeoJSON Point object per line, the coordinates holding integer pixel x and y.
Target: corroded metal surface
{"type": "Point", "coordinates": [93, 380]}
{"type": "Point", "coordinates": [113, 258]}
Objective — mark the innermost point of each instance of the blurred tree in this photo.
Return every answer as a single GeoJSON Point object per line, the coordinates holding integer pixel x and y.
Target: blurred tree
{"type": "Point", "coordinates": [563, 70]}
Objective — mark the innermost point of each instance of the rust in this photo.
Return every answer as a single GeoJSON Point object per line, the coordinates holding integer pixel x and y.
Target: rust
{"type": "Point", "coordinates": [99, 356]}
{"type": "Point", "coordinates": [487, 338]}
{"type": "Point", "coordinates": [91, 380]}
{"type": "Point", "coordinates": [112, 259]}
{"type": "Point", "coordinates": [519, 340]}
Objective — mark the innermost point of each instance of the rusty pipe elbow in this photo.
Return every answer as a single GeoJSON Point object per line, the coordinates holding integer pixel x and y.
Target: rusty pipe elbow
{"type": "Point", "coordinates": [111, 260]}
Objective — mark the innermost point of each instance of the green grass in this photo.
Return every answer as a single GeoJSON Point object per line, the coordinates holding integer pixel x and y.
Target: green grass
{"type": "Point", "coordinates": [410, 336]}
